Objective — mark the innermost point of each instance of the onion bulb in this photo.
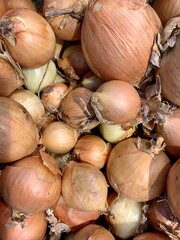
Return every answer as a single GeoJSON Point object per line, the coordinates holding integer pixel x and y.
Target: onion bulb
{"type": "Point", "coordinates": [138, 168]}
{"type": "Point", "coordinates": [34, 226]}
{"type": "Point", "coordinates": [116, 102]}
{"type": "Point", "coordinates": [31, 184]}
{"type": "Point", "coordinates": [3, 8]}
{"type": "Point", "coordinates": [173, 185]}
{"type": "Point", "coordinates": [84, 187]}
{"type": "Point", "coordinates": [93, 232]}
{"type": "Point", "coordinates": [119, 34]}
{"type": "Point", "coordinates": [124, 217]}
{"type": "Point", "coordinates": [166, 9]}
{"type": "Point", "coordinates": [25, 33]}
{"type": "Point", "coordinates": [151, 236]}
{"type": "Point", "coordinates": [20, 134]}
{"type": "Point", "coordinates": [91, 81]}
{"type": "Point", "coordinates": [11, 4]}
{"type": "Point", "coordinates": [59, 138]}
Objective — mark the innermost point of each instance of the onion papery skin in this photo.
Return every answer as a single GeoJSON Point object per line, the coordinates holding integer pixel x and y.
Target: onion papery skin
{"type": "Point", "coordinates": [169, 73]}
{"type": "Point", "coordinates": [35, 225]}
{"type": "Point", "coordinates": [93, 232]}
{"type": "Point", "coordinates": [74, 218]}
{"type": "Point", "coordinates": [137, 174]}
{"type": "Point", "coordinates": [20, 134]}
{"type": "Point", "coordinates": [166, 9]}
{"type": "Point", "coordinates": [151, 236]}
{"type": "Point", "coordinates": [29, 32]}
{"type": "Point", "coordinates": [11, 4]}
{"type": "Point", "coordinates": [117, 37]}
{"type": "Point", "coordinates": [32, 184]}
{"type": "Point", "coordinates": [173, 185]}
{"type": "Point", "coordinates": [84, 187]}
{"type": "Point", "coordinates": [170, 130]}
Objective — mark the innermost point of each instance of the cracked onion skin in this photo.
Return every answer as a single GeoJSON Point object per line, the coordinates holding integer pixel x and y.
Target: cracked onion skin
{"type": "Point", "coordinates": [117, 37]}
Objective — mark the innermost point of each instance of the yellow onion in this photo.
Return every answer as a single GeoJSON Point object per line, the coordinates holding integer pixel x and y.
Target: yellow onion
{"type": "Point", "coordinates": [74, 218]}
{"type": "Point", "coordinates": [91, 81]}
{"type": "Point", "coordinates": [93, 232]}
{"type": "Point", "coordinates": [137, 169]}
{"type": "Point", "coordinates": [173, 183]}
{"type": "Point", "coordinates": [32, 227]}
{"type": "Point", "coordinates": [117, 37]}
{"type": "Point", "coordinates": [124, 215]}
{"type": "Point", "coordinates": [166, 9]}
{"type": "Point", "coordinates": [31, 184]}
{"type": "Point", "coordinates": [116, 102]}
{"type": "Point", "coordinates": [40, 77]}
{"type": "Point", "coordinates": [11, 4]}
{"type": "Point", "coordinates": [59, 138]}
{"type": "Point", "coordinates": [2, 8]}
{"type": "Point", "coordinates": [65, 17]}
{"type": "Point", "coordinates": [151, 236]}
{"type": "Point", "coordinates": [76, 110]}
{"type": "Point", "coordinates": [31, 102]}
{"type": "Point", "coordinates": [20, 134]}
{"type": "Point", "coordinates": [168, 127]}
{"type": "Point", "coordinates": [92, 149]}
{"type": "Point", "coordinates": [84, 187]}
{"type": "Point", "coordinates": [161, 217]}
{"type": "Point", "coordinates": [25, 33]}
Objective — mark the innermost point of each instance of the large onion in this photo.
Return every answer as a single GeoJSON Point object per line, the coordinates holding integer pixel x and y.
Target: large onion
{"type": "Point", "coordinates": [117, 37]}
{"type": "Point", "coordinates": [136, 170]}
{"type": "Point", "coordinates": [18, 130]}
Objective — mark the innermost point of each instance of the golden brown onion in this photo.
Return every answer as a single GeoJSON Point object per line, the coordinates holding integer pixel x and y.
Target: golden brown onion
{"type": "Point", "coordinates": [2, 8]}
{"type": "Point", "coordinates": [20, 134]}
{"type": "Point", "coordinates": [25, 33]}
{"type": "Point", "coordinates": [137, 170]}
{"type": "Point", "coordinates": [117, 37]}
{"type": "Point", "coordinates": [151, 236]}
{"type": "Point", "coordinates": [11, 4]}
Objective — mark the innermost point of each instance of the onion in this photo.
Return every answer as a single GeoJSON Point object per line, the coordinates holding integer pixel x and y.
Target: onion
{"type": "Point", "coordinates": [173, 183]}
{"type": "Point", "coordinates": [11, 4]}
{"type": "Point", "coordinates": [33, 227]}
{"type": "Point", "coordinates": [74, 218]}
{"type": "Point", "coordinates": [93, 232]}
{"type": "Point", "coordinates": [20, 134]}
{"type": "Point", "coordinates": [25, 32]}
{"type": "Point", "coordinates": [120, 34]}
{"type": "Point", "coordinates": [116, 102]}
{"type": "Point", "coordinates": [32, 184]}
{"type": "Point", "coordinates": [59, 138]}
{"type": "Point", "coordinates": [2, 7]}
{"type": "Point", "coordinates": [138, 169]}
{"type": "Point", "coordinates": [92, 149]}
{"type": "Point", "coordinates": [124, 217]}
{"type": "Point", "coordinates": [40, 77]}
{"type": "Point", "coordinates": [166, 9]}
{"type": "Point", "coordinates": [91, 81]}
{"type": "Point", "coordinates": [31, 102]}
{"type": "Point", "coordinates": [84, 187]}
{"type": "Point", "coordinates": [65, 17]}
{"type": "Point", "coordinates": [161, 217]}
{"type": "Point", "coordinates": [151, 236]}
{"type": "Point", "coordinates": [76, 110]}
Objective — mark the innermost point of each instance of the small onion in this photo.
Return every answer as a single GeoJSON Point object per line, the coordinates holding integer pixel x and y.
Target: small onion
{"type": "Point", "coordinates": [76, 110]}
{"type": "Point", "coordinates": [117, 37]}
{"type": "Point", "coordinates": [92, 149]}
{"type": "Point", "coordinates": [59, 138]}
{"type": "Point", "coordinates": [166, 9]}
{"type": "Point", "coordinates": [138, 170]}
{"type": "Point", "coordinates": [31, 102]}
{"type": "Point", "coordinates": [20, 134]}
{"type": "Point", "coordinates": [93, 232]}
{"type": "Point", "coordinates": [125, 215]}
{"type": "Point", "coordinates": [40, 77]}
{"type": "Point", "coordinates": [173, 185]}
{"type": "Point", "coordinates": [32, 184]}
{"type": "Point", "coordinates": [151, 236]}
{"type": "Point", "coordinates": [74, 218]}
{"type": "Point", "coordinates": [11, 4]}
{"type": "Point", "coordinates": [116, 102]}
{"type": "Point", "coordinates": [25, 33]}
{"type": "Point", "coordinates": [33, 227]}
{"type": "Point", "coordinates": [84, 187]}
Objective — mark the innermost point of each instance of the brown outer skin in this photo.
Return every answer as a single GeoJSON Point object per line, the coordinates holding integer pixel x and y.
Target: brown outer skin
{"type": "Point", "coordinates": [117, 37]}
{"type": "Point", "coordinates": [151, 236]}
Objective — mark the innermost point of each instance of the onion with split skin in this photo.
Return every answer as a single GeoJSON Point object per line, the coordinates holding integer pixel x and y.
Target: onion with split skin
{"type": "Point", "coordinates": [117, 37]}
{"type": "Point", "coordinates": [25, 32]}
